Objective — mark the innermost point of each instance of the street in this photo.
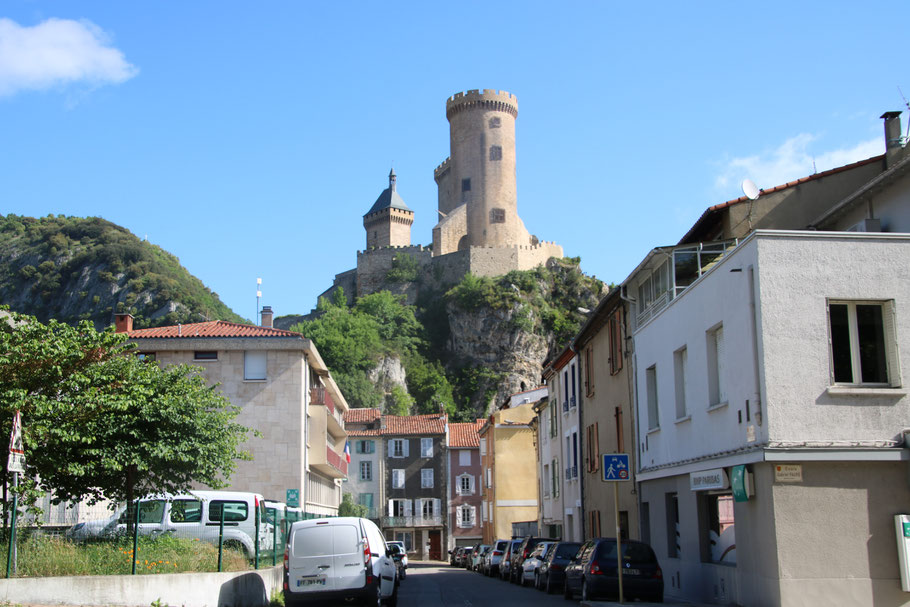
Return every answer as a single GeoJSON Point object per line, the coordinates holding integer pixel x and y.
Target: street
{"type": "Point", "coordinates": [437, 583]}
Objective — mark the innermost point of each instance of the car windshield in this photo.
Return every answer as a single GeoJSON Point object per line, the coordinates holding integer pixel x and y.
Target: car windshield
{"type": "Point", "coordinates": [633, 552]}
{"type": "Point", "coordinates": [567, 551]}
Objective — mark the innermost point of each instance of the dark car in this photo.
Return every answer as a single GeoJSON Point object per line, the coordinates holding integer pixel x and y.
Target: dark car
{"type": "Point", "coordinates": [592, 572]}
{"type": "Point", "coordinates": [495, 556]}
{"type": "Point", "coordinates": [552, 572]}
{"type": "Point", "coordinates": [518, 556]}
{"type": "Point", "coordinates": [464, 559]}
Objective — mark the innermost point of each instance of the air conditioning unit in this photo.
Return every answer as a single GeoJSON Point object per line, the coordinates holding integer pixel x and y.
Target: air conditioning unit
{"type": "Point", "coordinates": [867, 225]}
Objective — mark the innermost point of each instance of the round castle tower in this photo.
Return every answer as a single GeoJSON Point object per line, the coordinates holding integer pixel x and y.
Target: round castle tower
{"type": "Point", "coordinates": [480, 172]}
{"type": "Point", "coordinates": [388, 222]}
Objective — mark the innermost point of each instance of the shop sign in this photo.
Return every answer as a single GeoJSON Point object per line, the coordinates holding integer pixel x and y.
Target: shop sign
{"type": "Point", "coordinates": [741, 482]}
{"type": "Point", "coordinates": [708, 479]}
{"type": "Point", "coordinates": [788, 473]}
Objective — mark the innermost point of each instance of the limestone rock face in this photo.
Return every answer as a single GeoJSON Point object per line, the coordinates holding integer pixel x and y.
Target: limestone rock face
{"type": "Point", "coordinates": [388, 373]}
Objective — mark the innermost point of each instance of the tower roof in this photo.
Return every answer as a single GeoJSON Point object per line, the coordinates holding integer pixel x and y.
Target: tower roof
{"type": "Point", "coordinates": [389, 199]}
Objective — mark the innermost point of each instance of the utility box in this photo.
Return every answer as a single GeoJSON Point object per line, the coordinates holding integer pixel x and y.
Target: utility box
{"type": "Point", "coordinates": [902, 528]}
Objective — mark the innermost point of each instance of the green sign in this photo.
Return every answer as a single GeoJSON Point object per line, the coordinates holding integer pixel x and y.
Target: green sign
{"type": "Point", "coordinates": [906, 529]}
{"type": "Point", "coordinates": [293, 498]}
{"type": "Point", "coordinates": [739, 484]}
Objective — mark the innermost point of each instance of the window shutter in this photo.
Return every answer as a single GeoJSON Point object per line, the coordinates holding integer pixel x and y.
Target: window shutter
{"type": "Point", "coordinates": [405, 450]}
{"type": "Point", "coordinates": [721, 364]}
{"type": "Point", "coordinates": [418, 506]}
{"type": "Point", "coordinates": [473, 516]}
{"type": "Point", "coordinates": [437, 508]}
{"type": "Point", "coordinates": [596, 448]}
{"type": "Point", "coordinates": [892, 355]}
{"type": "Point", "coordinates": [407, 508]}
{"type": "Point", "coordinates": [472, 489]}
{"type": "Point", "coordinates": [391, 445]}
{"type": "Point", "coordinates": [391, 507]}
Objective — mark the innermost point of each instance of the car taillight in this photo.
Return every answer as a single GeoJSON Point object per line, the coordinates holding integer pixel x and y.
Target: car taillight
{"type": "Point", "coordinates": [658, 574]}
{"type": "Point", "coordinates": [286, 550]}
{"type": "Point", "coordinates": [366, 551]}
{"type": "Point", "coordinates": [555, 567]}
{"type": "Point", "coordinates": [497, 553]}
{"type": "Point", "coordinates": [595, 569]}
{"type": "Point", "coordinates": [524, 553]}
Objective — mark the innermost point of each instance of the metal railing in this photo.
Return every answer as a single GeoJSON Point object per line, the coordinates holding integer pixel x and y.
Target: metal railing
{"type": "Point", "coordinates": [412, 521]}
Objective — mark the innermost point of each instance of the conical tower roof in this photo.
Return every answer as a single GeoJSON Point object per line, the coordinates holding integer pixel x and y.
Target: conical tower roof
{"type": "Point", "coordinates": [389, 199]}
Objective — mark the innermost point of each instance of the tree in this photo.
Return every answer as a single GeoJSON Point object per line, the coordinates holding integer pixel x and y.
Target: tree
{"type": "Point", "coordinates": [349, 508]}
{"type": "Point", "coordinates": [99, 422]}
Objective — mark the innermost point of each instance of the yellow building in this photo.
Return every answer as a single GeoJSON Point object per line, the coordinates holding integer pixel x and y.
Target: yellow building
{"type": "Point", "coordinates": [509, 462]}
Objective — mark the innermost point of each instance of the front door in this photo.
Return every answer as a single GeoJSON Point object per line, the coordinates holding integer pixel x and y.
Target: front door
{"type": "Point", "coordinates": [435, 545]}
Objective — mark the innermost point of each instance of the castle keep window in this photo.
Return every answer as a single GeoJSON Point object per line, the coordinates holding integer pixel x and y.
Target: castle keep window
{"type": "Point", "coordinates": [497, 215]}
{"type": "Point", "coordinates": [495, 152]}
{"type": "Point", "coordinates": [495, 122]}
{"type": "Point", "coordinates": [465, 185]}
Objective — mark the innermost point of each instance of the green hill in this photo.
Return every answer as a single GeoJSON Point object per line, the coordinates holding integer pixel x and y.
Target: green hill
{"type": "Point", "coordinates": [74, 268]}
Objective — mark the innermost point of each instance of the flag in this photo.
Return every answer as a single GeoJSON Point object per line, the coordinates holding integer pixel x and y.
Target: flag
{"type": "Point", "coordinates": [347, 451]}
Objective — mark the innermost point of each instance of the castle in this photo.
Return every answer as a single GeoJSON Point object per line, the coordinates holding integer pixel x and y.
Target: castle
{"type": "Point", "coordinates": [479, 230]}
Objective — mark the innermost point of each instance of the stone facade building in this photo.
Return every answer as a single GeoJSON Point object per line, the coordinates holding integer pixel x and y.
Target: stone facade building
{"type": "Point", "coordinates": [464, 507]}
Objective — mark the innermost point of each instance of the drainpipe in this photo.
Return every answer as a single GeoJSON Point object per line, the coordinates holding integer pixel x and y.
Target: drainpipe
{"type": "Point", "coordinates": [633, 399]}
{"type": "Point", "coordinates": [753, 309]}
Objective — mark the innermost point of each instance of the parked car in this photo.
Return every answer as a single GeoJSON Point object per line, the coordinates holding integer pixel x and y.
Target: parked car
{"type": "Point", "coordinates": [477, 556]}
{"type": "Point", "coordinates": [531, 564]}
{"type": "Point", "coordinates": [518, 556]}
{"type": "Point", "coordinates": [592, 572]}
{"type": "Point", "coordinates": [403, 551]}
{"type": "Point", "coordinates": [466, 556]}
{"type": "Point", "coordinates": [195, 515]}
{"type": "Point", "coordinates": [463, 554]}
{"type": "Point", "coordinates": [506, 561]}
{"type": "Point", "coordinates": [397, 553]}
{"type": "Point", "coordinates": [343, 558]}
{"type": "Point", "coordinates": [551, 575]}
{"type": "Point", "coordinates": [452, 555]}
{"type": "Point", "coordinates": [493, 557]}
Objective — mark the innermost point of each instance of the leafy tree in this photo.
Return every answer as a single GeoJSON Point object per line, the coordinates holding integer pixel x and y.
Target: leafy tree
{"type": "Point", "coordinates": [399, 402]}
{"type": "Point", "coordinates": [404, 268]}
{"type": "Point", "coordinates": [349, 508]}
{"type": "Point", "coordinates": [429, 386]}
{"type": "Point", "coordinates": [101, 422]}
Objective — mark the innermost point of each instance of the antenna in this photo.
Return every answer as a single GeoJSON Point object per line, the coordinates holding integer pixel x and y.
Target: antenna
{"type": "Point", "coordinates": [258, 297]}
{"type": "Point", "coordinates": [750, 189]}
{"type": "Point", "coordinates": [907, 103]}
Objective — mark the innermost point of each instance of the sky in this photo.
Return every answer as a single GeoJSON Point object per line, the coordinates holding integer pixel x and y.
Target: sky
{"type": "Point", "coordinates": [248, 139]}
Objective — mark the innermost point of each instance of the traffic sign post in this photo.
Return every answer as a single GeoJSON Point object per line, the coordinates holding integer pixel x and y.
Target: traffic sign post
{"type": "Point", "coordinates": [615, 469]}
{"type": "Point", "coordinates": [16, 465]}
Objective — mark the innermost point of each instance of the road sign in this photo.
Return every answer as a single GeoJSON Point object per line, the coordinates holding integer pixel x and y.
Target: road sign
{"type": "Point", "coordinates": [616, 467]}
{"type": "Point", "coordinates": [16, 462]}
{"type": "Point", "coordinates": [293, 498]}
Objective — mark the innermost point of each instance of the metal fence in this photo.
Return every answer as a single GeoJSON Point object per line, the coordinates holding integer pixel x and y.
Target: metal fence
{"type": "Point", "coordinates": [200, 531]}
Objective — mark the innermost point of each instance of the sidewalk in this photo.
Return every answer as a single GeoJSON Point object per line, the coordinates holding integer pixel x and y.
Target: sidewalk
{"type": "Point", "coordinates": [668, 601]}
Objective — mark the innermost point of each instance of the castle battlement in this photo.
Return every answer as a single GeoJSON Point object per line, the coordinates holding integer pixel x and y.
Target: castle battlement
{"type": "Point", "coordinates": [488, 98]}
{"type": "Point", "coordinates": [442, 168]}
{"type": "Point", "coordinates": [414, 248]}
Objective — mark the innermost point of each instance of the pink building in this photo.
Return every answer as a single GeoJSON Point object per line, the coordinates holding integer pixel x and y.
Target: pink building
{"type": "Point", "coordinates": [464, 484]}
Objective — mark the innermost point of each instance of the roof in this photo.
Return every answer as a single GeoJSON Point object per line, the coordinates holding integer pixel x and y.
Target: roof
{"type": "Point", "coordinates": [389, 199]}
{"type": "Point", "coordinates": [742, 199]}
{"type": "Point", "coordinates": [465, 435]}
{"type": "Point", "coordinates": [212, 328]}
{"type": "Point", "coordinates": [432, 423]}
{"type": "Point", "coordinates": [361, 416]}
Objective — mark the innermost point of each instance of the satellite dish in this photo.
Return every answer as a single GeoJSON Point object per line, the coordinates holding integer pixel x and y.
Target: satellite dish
{"type": "Point", "coordinates": [750, 189]}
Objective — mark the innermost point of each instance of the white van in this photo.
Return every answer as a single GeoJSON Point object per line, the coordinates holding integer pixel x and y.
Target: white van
{"type": "Point", "coordinates": [195, 515]}
{"type": "Point", "coordinates": [341, 558]}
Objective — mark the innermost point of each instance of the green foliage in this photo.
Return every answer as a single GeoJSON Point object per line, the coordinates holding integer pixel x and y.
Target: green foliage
{"type": "Point", "coordinates": [53, 258]}
{"type": "Point", "coordinates": [99, 422]}
{"type": "Point", "coordinates": [474, 384]}
{"type": "Point", "coordinates": [349, 508]}
{"type": "Point", "coordinates": [428, 384]}
{"type": "Point", "coordinates": [399, 402]}
{"type": "Point", "coordinates": [404, 268]}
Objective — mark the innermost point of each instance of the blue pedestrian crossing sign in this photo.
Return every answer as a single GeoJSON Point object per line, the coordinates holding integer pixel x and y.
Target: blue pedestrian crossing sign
{"type": "Point", "coordinates": [616, 467]}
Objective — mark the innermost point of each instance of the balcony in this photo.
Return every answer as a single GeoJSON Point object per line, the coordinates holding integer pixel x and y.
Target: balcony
{"type": "Point", "coordinates": [412, 521]}
{"type": "Point", "coordinates": [334, 416]}
{"type": "Point", "coordinates": [333, 465]}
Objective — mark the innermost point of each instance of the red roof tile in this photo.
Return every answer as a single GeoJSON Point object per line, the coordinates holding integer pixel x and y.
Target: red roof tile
{"type": "Point", "coordinates": [373, 432]}
{"type": "Point", "coordinates": [361, 416]}
{"type": "Point", "coordinates": [432, 423]}
{"type": "Point", "coordinates": [462, 435]}
{"type": "Point", "coordinates": [212, 328]}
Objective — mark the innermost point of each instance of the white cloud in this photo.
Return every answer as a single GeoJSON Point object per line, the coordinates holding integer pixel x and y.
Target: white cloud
{"type": "Point", "coordinates": [792, 160]}
{"type": "Point", "coordinates": [58, 52]}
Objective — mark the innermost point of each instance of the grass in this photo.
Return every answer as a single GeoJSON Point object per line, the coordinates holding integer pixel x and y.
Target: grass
{"type": "Point", "coordinates": [49, 556]}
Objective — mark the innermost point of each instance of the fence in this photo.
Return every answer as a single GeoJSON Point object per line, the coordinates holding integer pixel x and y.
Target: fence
{"type": "Point", "coordinates": [201, 531]}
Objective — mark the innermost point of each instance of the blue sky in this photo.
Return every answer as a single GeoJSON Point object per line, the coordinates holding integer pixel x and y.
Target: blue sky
{"type": "Point", "coordinates": [249, 139]}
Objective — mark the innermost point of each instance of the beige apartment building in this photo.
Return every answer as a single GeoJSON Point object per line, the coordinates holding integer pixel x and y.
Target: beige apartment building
{"type": "Point", "coordinates": [283, 390]}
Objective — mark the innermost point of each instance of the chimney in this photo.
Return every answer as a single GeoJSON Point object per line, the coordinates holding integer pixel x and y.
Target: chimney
{"type": "Point", "coordinates": [266, 315]}
{"type": "Point", "coordinates": [123, 323]}
{"type": "Point", "coordinates": [893, 141]}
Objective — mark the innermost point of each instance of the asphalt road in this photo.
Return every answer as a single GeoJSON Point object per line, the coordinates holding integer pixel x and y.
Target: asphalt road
{"type": "Point", "coordinates": [429, 584]}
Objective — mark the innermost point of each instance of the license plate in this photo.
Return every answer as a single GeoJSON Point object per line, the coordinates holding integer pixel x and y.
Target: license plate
{"type": "Point", "coordinates": [631, 571]}
{"type": "Point", "coordinates": [318, 580]}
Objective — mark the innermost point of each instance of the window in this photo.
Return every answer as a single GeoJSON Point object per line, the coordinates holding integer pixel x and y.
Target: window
{"type": "Point", "coordinates": [429, 507]}
{"type": "Point", "coordinates": [717, 391]}
{"type": "Point", "coordinates": [407, 538]}
{"type": "Point", "coordinates": [365, 499]}
{"type": "Point", "coordinates": [186, 511]}
{"type": "Point", "coordinates": [399, 507]}
{"type": "Point", "coordinates": [672, 500]}
{"type": "Point", "coordinates": [589, 371]}
{"type": "Point", "coordinates": [254, 365]}
{"type": "Point", "coordinates": [592, 448]}
{"type": "Point", "coordinates": [426, 478]}
{"type": "Point", "coordinates": [565, 389]}
{"type": "Point", "coordinates": [553, 419]}
{"type": "Point", "coordinates": [554, 469]}
{"type": "Point", "coordinates": [575, 455]}
{"type": "Point", "coordinates": [572, 399]}
{"type": "Point", "coordinates": [615, 327]}
{"type": "Point", "coordinates": [495, 122]}
{"type": "Point", "coordinates": [497, 215]}
{"type": "Point", "coordinates": [205, 355]}
{"type": "Point", "coordinates": [366, 471]}
{"type": "Point", "coordinates": [495, 152]}
{"type": "Point", "coordinates": [465, 484]}
{"type": "Point", "coordinates": [233, 511]}
{"type": "Point", "coordinates": [426, 447]}
{"type": "Point", "coordinates": [651, 391]}
{"type": "Point", "coordinates": [465, 185]}
{"type": "Point", "coordinates": [594, 524]}
{"type": "Point", "coordinates": [680, 363]}
{"type": "Point", "coordinates": [863, 343]}
{"type": "Point", "coordinates": [489, 478]}
{"type": "Point", "coordinates": [398, 447]}
{"type": "Point", "coordinates": [365, 446]}
{"type": "Point", "coordinates": [147, 356]}
{"type": "Point", "coordinates": [464, 457]}
{"type": "Point", "coordinates": [546, 481]}
{"type": "Point", "coordinates": [718, 533]}
{"type": "Point", "coordinates": [483, 446]}
{"type": "Point", "coordinates": [466, 516]}
{"type": "Point", "coordinates": [398, 479]}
